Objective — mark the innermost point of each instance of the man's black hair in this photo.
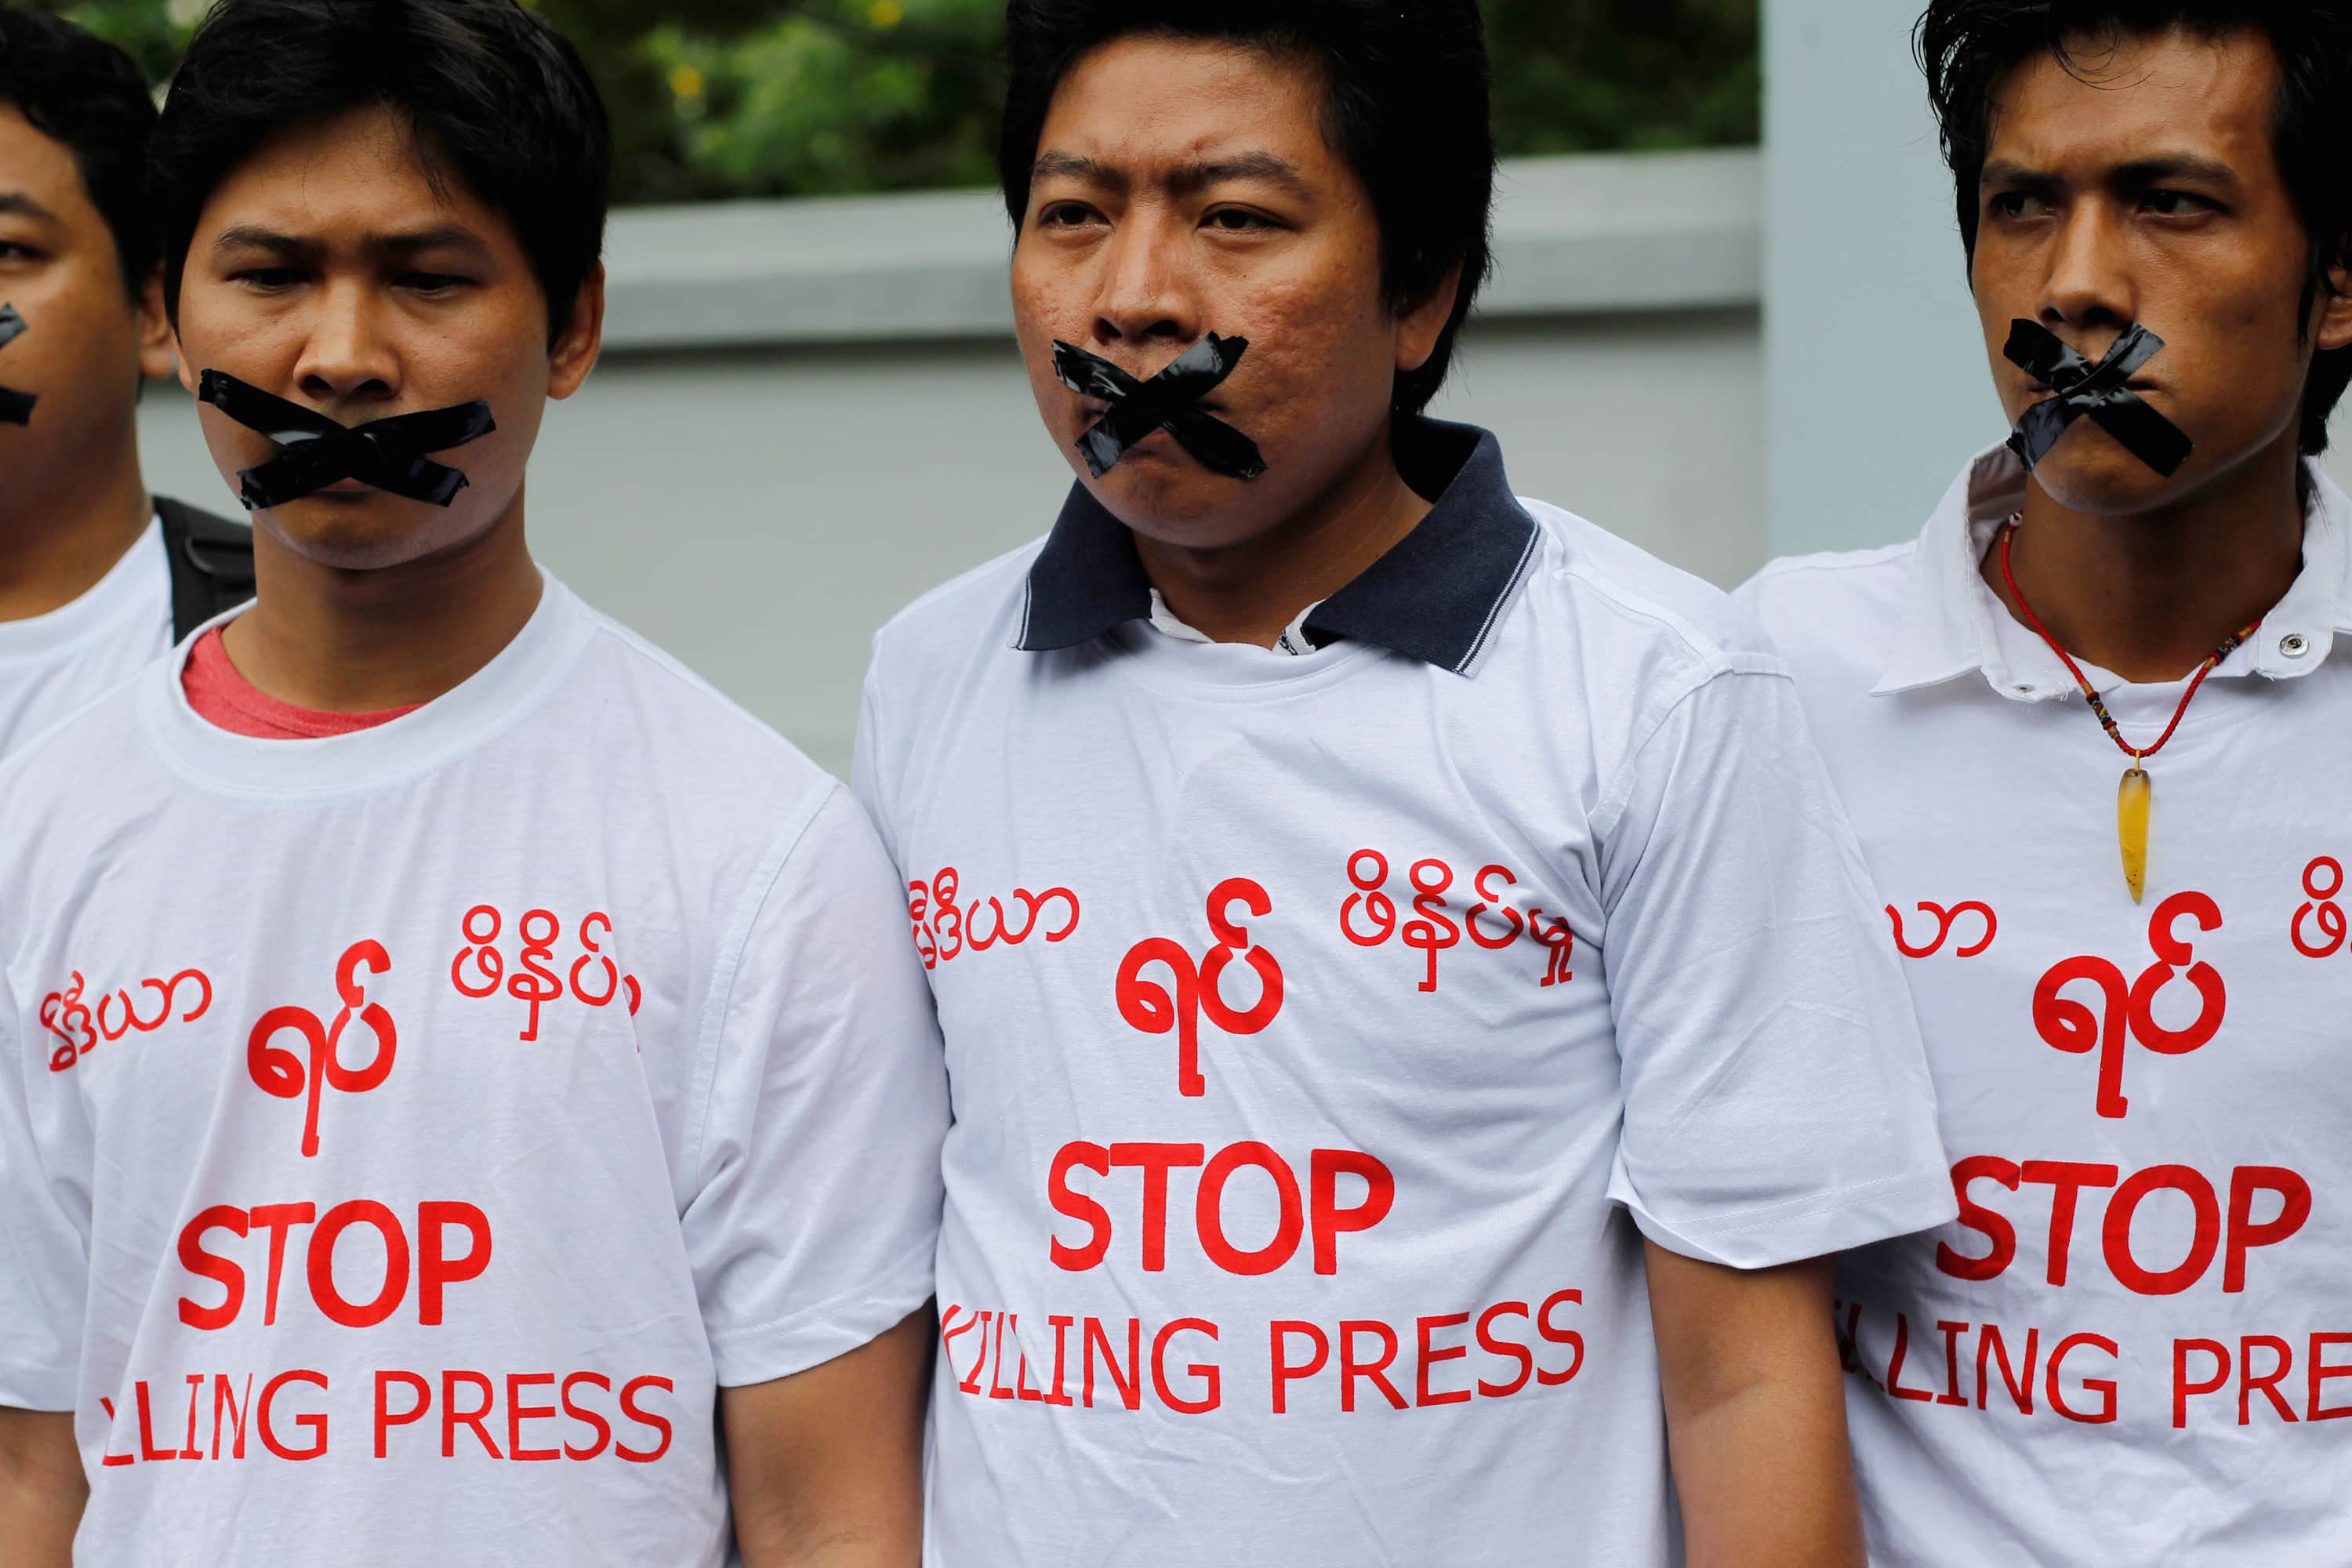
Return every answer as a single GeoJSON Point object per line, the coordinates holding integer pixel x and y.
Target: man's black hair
{"type": "Point", "coordinates": [82, 91]}
{"type": "Point", "coordinates": [1406, 88]}
{"type": "Point", "coordinates": [1969, 47]}
{"type": "Point", "coordinates": [495, 98]}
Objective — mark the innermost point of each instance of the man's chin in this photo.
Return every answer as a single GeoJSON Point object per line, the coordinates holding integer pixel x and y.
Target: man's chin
{"type": "Point", "coordinates": [1169, 496]}
{"type": "Point", "coordinates": [363, 531]}
{"type": "Point", "coordinates": [2089, 472]}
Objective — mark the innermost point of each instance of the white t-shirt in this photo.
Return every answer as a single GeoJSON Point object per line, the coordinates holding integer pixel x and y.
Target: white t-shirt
{"type": "Point", "coordinates": [490, 1085]}
{"type": "Point", "coordinates": [2136, 1345]}
{"type": "Point", "coordinates": [1320, 1028]}
{"type": "Point", "coordinates": [52, 664]}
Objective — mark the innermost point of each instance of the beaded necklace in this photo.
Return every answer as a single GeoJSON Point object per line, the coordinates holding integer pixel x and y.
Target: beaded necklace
{"type": "Point", "coordinates": [2137, 794]}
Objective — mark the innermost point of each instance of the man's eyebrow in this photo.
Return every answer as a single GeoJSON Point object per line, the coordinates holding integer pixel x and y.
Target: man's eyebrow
{"type": "Point", "coordinates": [1264, 166]}
{"type": "Point", "coordinates": [251, 236]}
{"type": "Point", "coordinates": [22, 205]}
{"type": "Point", "coordinates": [1185, 179]}
{"type": "Point", "coordinates": [2003, 172]}
{"type": "Point", "coordinates": [2162, 166]}
{"type": "Point", "coordinates": [1055, 163]}
{"type": "Point", "coordinates": [2140, 172]}
{"type": "Point", "coordinates": [244, 236]}
{"type": "Point", "coordinates": [449, 235]}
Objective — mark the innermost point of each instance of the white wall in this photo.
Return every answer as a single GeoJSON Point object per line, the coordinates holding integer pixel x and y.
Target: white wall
{"type": "Point", "coordinates": [1876, 387]}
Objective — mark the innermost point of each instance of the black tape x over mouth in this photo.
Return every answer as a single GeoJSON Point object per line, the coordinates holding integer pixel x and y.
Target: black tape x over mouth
{"type": "Point", "coordinates": [2097, 391]}
{"type": "Point", "coordinates": [389, 454]}
{"type": "Point", "coordinates": [1166, 402]}
{"type": "Point", "coordinates": [15, 408]}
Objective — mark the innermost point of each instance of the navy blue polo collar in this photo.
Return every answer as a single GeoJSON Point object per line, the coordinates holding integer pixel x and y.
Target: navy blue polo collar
{"type": "Point", "coordinates": [1435, 596]}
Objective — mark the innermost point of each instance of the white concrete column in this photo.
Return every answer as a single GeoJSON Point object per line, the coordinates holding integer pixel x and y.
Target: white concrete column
{"type": "Point", "coordinates": [1875, 385]}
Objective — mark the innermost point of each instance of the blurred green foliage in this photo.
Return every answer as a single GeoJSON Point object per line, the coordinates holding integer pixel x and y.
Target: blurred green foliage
{"type": "Point", "coordinates": [749, 98]}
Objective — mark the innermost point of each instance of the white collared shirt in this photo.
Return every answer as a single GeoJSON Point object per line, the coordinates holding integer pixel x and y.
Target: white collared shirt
{"type": "Point", "coordinates": [2135, 1346]}
{"type": "Point", "coordinates": [1326, 1032]}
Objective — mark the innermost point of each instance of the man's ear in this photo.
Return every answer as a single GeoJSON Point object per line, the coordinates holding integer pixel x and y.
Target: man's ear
{"type": "Point", "coordinates": [156, 338]}
{"type": "Point", "coordinates": [2334, 329]}
{"type": "Point", "coordinates": [1421, 323]}
{"type": "Point", "coordinates": [576, 347]}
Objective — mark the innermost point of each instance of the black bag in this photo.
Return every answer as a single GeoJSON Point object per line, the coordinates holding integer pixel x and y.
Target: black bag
{"type": "Point", "coordinates": [212, 563]}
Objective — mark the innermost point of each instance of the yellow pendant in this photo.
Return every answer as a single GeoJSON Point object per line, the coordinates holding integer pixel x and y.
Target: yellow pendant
{"type": "Point", "coordinates": [2131, 823]}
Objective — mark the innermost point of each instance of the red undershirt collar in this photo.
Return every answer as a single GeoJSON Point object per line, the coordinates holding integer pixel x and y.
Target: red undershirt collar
{"type": "Point", "coordinates": [223, 698]}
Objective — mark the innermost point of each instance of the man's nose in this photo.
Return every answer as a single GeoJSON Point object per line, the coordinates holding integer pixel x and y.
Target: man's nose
{"type": "Point", "coordinates": [1145, 293]}
{"type": "Point", "coordinates": [347, 356]}
{"type": "Point", "coordinates": [2089, 287]}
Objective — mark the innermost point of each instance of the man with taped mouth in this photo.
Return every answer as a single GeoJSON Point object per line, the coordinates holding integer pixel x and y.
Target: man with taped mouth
{"type": "Point", "coordinates": [2093, 726]}
{"type": "Point", "coordinates": [1414, 1013]}
{"type": "Point", "coordinates": [93, 570]}
{"type": "Point", "coordinates": [465, 1097]}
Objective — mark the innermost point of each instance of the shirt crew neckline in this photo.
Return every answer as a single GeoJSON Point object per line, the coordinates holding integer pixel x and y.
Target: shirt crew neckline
{"type": "Point", "coordinates": [123, 591]}
{"type": "Point", "coordinates": [1293, 642]}
{"type": "Point", "coordinates": [1232, 672]}
{"type": "Point", "coordinates": [464, 717]}
{"type": "Point", "coordinates": [223, 698]}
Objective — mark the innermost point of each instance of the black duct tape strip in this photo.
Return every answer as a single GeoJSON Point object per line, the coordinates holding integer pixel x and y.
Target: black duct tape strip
{"type": "Point", "coordinates": [389, 454]}
{"type": "Point", "coordinates": [15, 408]}
{"type": "Point", "coordinates": [1166, 402]}
{"type": "Point", "coordinates": [2096, 391]}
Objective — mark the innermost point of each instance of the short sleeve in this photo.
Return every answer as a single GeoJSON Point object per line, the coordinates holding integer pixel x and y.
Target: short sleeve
{"type": "Point", "coordinates": [1776, 1102]}
{"type": "Point", "coordinates": [44, 1221]}
{"type": "Point", "coordinates": [815, 1222]}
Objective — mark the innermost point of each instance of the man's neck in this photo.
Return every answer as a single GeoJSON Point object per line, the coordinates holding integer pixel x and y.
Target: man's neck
{"type": "Point", "coordinates": [2150, 595]}
{"type": "Point", "coordinates": [1252, 590]}
{"type": "Point", "coordinates": [341, 641]}
{"type": "Point", "coordinates": [57, 542]}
